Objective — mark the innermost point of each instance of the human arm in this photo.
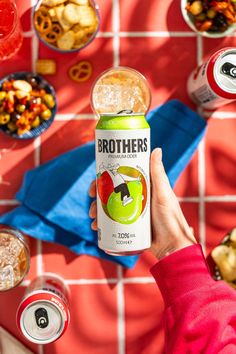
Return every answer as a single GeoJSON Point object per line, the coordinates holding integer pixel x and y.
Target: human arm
{"type": "Point", "coordinates": [199, 312]}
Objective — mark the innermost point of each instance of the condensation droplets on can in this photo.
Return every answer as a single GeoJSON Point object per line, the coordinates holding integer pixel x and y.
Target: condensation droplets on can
{"type": "Point", "coordinates": [213, 84]}
{"type": "Point", "coordinates": [43, 315]}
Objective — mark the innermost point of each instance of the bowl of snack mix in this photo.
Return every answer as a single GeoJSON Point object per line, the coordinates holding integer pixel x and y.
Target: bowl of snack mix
{"type": "Point", "coordinates": [223, 259]}
{"type": "Point", "coordinates": [66, 25]}
{"type": "Point", "coordinates": [209, 18]}
{"type": "Point", "coordinates": [27, 105]}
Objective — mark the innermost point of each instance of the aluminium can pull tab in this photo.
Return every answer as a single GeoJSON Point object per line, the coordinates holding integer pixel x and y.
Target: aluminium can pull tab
{"type": "Point", "coordinates": [229, 70]}
{"type": "Point", "coordinates": [41, 317]}
{"type": "Point", "coordinates": [125, 111]}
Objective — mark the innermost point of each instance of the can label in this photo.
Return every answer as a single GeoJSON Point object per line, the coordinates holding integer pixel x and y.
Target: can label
{"type": "Point", "coordinates": [123, 189]}
{"type": "Point", "coordinates": [49, 283]}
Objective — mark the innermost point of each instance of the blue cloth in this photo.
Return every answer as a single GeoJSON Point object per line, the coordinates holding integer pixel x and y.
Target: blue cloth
{"type": "Point", "coordinates": [54, 196]}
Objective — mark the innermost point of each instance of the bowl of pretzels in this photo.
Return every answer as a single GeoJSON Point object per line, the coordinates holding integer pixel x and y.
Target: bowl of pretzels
{"type": "Point", "coordinates": [66, 25]}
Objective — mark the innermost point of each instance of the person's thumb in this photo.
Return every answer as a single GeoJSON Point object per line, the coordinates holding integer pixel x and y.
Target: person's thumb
{"type": "Point", "coordinates": [161, 189]}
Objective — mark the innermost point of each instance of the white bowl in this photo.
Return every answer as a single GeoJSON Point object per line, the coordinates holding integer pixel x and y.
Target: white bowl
{"type": "Point", "coordinates": [189, 21]}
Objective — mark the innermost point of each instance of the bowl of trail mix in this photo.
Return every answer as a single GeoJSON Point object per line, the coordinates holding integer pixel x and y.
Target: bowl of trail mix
{"type": "Point", "coordinates": [210, 18]}
{"type": "Point", "coordinates": [27, 105]}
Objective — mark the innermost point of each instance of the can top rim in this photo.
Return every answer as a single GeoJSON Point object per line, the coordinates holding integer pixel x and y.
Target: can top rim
{"type": "Point", "coordinates": [124, 114]}
{"type": "Point", "coordinates": [222, 80]}
{"type": "Point", "coordinates": [45, 297]}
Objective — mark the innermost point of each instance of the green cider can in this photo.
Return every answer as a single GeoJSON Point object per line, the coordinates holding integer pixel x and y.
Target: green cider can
{"type": "Point", "coordinates": [123, 183]}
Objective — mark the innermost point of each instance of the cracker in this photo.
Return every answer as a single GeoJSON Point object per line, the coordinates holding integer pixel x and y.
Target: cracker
{"type": "Point", "coordinates": [52, 14]}
{"type": "Point", "coordinates": [64, 24]}
{"type": "Point", "coordinates": [71, 13]}
{"type": "Point", "coordinates": [87, 16]}
{"type": "Point", "coordinates": [66, 41]}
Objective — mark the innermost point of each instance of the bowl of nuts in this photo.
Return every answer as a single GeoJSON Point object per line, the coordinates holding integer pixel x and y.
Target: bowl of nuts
{"type": "Point", "coordinates": [223, 259]}
{"type": "Point", "coordinates": [27, 105]}
{"type": "Point", "coordinates": [66, 25]}
{"type": "Point", "coordinates": [209, 18]}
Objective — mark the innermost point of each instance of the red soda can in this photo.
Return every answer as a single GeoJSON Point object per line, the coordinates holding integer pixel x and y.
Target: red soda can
{"type": "Point", "coordinates": [43, 315]}
{"type": "Point", "coordinates": [213, 84]}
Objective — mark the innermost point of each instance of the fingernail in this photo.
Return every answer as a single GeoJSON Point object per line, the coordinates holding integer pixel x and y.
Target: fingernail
{"type": "Point", "coordinates": [159, 154]}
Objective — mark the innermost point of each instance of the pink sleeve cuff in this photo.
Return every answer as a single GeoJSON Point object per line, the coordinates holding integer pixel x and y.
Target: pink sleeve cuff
{"type": "Point", "coordinates": [181, 272]}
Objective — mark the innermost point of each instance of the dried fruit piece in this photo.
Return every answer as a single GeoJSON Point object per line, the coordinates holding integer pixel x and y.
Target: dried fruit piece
{"type": "Point", "coordinates": [196, 8]}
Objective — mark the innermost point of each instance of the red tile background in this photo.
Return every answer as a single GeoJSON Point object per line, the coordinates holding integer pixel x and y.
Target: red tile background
{"type": "Point", "coordinates": [102, 313]}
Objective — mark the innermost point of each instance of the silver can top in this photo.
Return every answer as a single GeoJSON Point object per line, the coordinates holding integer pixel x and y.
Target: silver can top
{"type": "Point", "coordinates": [42, 322]}
{"type": "Point", "coordinates": [225, 71]}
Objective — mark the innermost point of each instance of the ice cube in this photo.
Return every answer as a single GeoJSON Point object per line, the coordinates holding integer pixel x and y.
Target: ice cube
{"type": "Point", "coordinates": [7, 277]}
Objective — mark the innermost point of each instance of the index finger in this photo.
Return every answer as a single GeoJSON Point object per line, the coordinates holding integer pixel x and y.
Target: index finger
{"type": "Point", "coordinates": [92, 189]}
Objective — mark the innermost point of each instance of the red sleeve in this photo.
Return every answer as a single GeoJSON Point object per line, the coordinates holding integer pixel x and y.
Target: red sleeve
{"type": "Point", "coordinates": [200, 313]}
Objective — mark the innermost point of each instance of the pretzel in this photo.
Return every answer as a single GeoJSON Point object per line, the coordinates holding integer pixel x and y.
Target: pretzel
{"type": "Point", "coordinates": [43, 11]}
{"type": "Point", "coordinates": [81, 71]}
{"type": "Point", "coordinates": [42, 23]}
{"type": "Point", "coordinates": [53, 34]}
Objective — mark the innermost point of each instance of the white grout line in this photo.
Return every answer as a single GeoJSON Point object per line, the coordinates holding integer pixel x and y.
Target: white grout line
{"type": "Point", "coordinates": [220, 198]}
{"type": "Point", "coordinates": [39, 259]}
{"type": "Point", "coordinates": [28, 34]}
{"type": "Point", "coordinates": [5, 202]}
{"type": "Point", "coordinates": [84, 116]}
{"type": "Point", "coordinates": [90, 281]}
{"type": "Point", "coordinates": [156, 34]}
{"type": "Point", "coordinates": [121, 311]}
{"type": "Point", "coordinates": [105, 34]}
{"type": "Point", "coordinates": [37, 143]}
{"type": "Point", "coordinates": [138, 280]}
{"type": "Point", "coordinates": [201, 167]}
{"type": "Point", "coordinates": [201, 185]}
{"type": "Point", "coordinates": [40, 349]}
{"type": "Point", "coordinates": [207, 199]}
{"type": "Point", "coordinates": [135, 34]}
{"type": "Point", "coordinates": [73, 116]}
{"type": "Point", "coordinates": [223, 115]}
{"type": "Point", "coordinates": [35, 48]}
{"type": "Point", "coordinates": [105, 281]}
{"type": "Point", "coordinates": [189, 199]}
{"type": "Point", "coordinates": [120, 287]}
{"type": "Point", "coordinates": [25, 283]}
{"type": "Point", "coordinates": [116, 28]}
{"type": "Point", "coordinates": [199, 50]}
